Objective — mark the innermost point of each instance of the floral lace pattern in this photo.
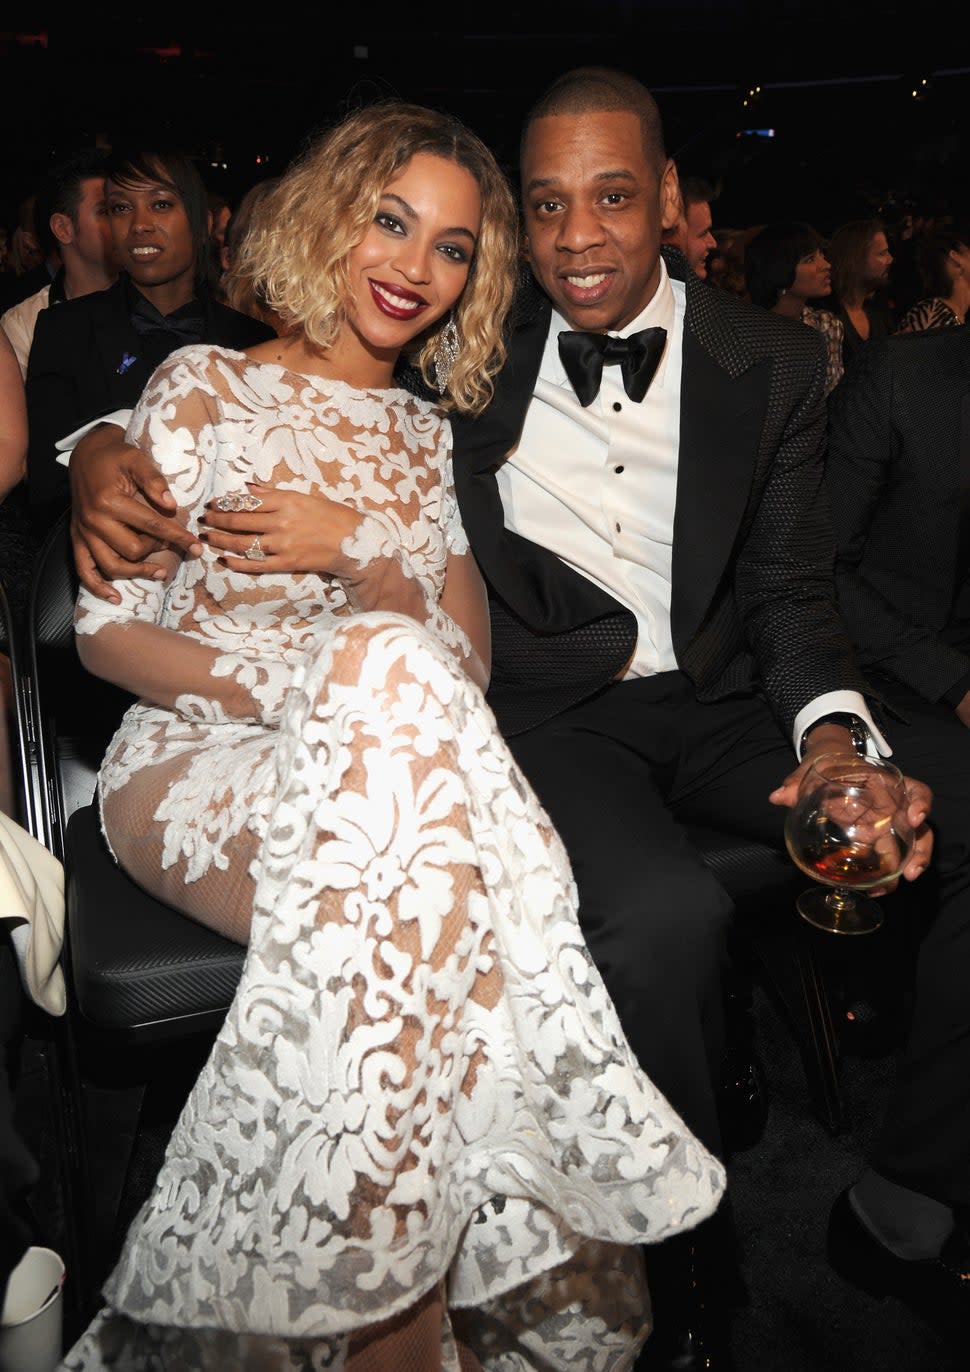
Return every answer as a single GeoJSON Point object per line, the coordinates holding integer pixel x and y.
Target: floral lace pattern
{"type": "Point", "coordinates": [421, 1079]}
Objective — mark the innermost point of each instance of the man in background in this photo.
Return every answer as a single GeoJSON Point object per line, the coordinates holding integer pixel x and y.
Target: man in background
{"type": "Point", "coordinates": [72, 228]}
{"type": "Point", "coordinates": [693, 232]}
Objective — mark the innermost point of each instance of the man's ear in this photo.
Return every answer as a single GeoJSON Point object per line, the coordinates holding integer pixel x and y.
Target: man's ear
{"type": "Point", "coordinates": [671, 201]}
{"type": "Point", "coordinates": [62, 228]}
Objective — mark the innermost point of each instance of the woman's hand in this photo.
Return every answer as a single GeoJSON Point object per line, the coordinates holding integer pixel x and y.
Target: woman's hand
{"type": "Point", "coordinates": [294, 532]}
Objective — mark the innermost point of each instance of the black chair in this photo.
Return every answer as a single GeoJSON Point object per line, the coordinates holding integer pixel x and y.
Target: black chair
{"type": "Point", "coordinates": [147, 988]}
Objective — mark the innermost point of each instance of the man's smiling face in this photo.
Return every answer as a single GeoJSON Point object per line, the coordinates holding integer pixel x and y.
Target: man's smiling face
{"type": "Point", "coordinates": [594, 208]}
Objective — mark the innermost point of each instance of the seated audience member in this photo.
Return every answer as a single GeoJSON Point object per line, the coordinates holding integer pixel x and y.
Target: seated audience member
{"type": "Point", "coordinates": [72, 224]}
{"type": "Point", "coordinates": [693, 231]}
{"type": "Point", "coordinates": [220, 212]}
{"type": "Point", "coordinates": [725, 262]}
{"type": "Point", "coordinates": [421, 1077]}
{"type": "Point", "coordinates": [29, 270]}
{"type": "Point", "coordinates": [94, 355]}
{"type": "Point", "coordinates": [240, 290]}
{"type": "Point", "coordinates": [896, 474]}
{"type": "Point", "coordinates": [648, 672]}
{"type": "Point", "coordinates": [786, 269]}
{"type": "Point", "coordinates": [943, 262]}
{"type": "Point", "coordinates": [859, 255]}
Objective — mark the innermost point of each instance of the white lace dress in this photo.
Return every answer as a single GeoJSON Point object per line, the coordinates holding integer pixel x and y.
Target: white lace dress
{"type": "Point", "coordinates": [421, 1083]}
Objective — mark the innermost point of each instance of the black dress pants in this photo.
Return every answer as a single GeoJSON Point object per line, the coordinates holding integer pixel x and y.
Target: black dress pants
{"type": "Point", "coordinates": [621, 773]}
{"type": "Point", "coordinates": [925, 1138]}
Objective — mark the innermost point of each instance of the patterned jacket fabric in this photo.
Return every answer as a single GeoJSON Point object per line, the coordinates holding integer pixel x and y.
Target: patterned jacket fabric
{"type": "Point", "coordinates": [753, 605]}
{"type": "Point", "coordinates": [898, 471]}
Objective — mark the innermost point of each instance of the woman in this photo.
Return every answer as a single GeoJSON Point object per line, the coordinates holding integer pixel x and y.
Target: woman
{"type": "Point", "coordinates": [943, 263]}
{"type": "Point", "coordinates": [238, 288]}
{"type": "Point", "coordinates": [95, 354]}
{"type": "Point", "coordinates": [421, 1139]}
{"type": "Point", "coordinates": [785, 269]}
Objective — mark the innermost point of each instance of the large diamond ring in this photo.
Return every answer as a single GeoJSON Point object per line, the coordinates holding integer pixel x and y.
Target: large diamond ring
{"type": "Point", "coordinates": [235, 501]}
{"type": "Point", "coordinates": [255, 551]}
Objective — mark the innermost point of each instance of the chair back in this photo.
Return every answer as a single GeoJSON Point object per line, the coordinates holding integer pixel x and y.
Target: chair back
{"type": "Point", "coordinates": [136, 965]}
{"type": "Point", "coordinates": [73, 713]}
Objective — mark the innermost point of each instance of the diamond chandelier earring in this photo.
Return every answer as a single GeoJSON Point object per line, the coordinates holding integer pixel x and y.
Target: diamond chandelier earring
{"type": "Point", "coordinates": [445, 353]}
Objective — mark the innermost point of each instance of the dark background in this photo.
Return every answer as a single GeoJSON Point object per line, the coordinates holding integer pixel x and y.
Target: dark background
{"type": "Point", "coordinates": [837, 85]}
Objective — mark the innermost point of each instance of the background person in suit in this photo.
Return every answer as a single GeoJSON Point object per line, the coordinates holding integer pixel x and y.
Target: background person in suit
{"type": "Point", "coordinates": [898, 470]}
{"type": "Point", "coordinates": [72, 225]}
{"type": "Point", "coordinates": [95, 354]}
{"type": "Point", "coordinates": [693, 233]}
{"type": "Point", "coordinates": [658, 557]}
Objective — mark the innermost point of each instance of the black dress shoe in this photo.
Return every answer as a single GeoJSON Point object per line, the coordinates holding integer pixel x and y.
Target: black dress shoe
{"type": "Point", "coordinates": [742, 1105]}
{"type": "Point", "coordinates": [688, 1351]}
{"type": "Point", "coordinates": [935, 1286]}
{"type": "Point", "coordinates": [691, 1314]}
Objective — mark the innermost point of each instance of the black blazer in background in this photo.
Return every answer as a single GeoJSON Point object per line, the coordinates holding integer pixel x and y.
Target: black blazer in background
{"type": "Point", "coordinates": [898, 471]}
{"type": "Point", "coordinates": [753, 599]}
{"type": "Point", "coordinates": [86, 360]}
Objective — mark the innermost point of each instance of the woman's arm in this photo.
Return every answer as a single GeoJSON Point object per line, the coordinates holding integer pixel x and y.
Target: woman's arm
{"type": "Point", "coordinates": [13, 419]}
{"type": "Point", "coordinates": [122, 640]}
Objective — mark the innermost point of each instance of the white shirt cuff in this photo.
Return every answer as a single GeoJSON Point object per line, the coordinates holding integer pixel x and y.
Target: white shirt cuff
{"type": "Point", "coordinates": [834, 703]}
{"type": "Point", "coordinates": [66, 446]}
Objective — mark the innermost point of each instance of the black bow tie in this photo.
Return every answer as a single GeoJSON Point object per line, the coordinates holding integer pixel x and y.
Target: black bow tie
{"type": "Point", "coordinates": [186, 328]}
{"type": "Point", "coordinates": [584, 355]}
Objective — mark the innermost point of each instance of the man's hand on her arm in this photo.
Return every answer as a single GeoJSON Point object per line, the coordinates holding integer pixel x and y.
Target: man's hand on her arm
{"type": "Point", "coordinates": [120, 512]}
{"type": "Point", "coordinates": [832, 738]}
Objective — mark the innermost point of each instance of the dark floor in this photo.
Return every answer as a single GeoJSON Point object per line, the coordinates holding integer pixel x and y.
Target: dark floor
{"type": "Point", "coordinates": [800, 1317]}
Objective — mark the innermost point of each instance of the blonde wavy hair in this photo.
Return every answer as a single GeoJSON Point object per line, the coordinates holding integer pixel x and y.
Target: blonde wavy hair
{"type": "Point", "coordinates": [295, 256]}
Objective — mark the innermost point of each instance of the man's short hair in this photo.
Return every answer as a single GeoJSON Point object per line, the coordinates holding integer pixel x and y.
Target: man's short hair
{"type": "Point", "coordinates": [61, 189]}
{"type": "Point", "coordinates": [602, 90]}
{"type": "Point", "coordinates": [697, 190]}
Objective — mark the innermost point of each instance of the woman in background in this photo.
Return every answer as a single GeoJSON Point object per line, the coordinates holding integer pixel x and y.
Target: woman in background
{"type": "Point", "coordinates": [786, 270]}
{"type": "Point", "coordinates": [943, 263]}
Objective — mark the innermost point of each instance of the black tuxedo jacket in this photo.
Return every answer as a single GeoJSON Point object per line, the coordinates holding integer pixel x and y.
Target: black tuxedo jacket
{"type": "Point", "coordinates": [753, 605]}
{"type": "Point", "coordinates": [87, 360]}
{"type": "Point", "coordinates": [898, 471]}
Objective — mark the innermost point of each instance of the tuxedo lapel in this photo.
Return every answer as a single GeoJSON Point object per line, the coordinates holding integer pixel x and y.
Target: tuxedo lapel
{"type": "Point", "coordinates": [548, 595]}
{"type": "Point", "coordinates": [118, 349]}
{"type": "Point", "coordinates": [722, 409]}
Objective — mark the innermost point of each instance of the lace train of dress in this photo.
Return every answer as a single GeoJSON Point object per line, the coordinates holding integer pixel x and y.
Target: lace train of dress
{"type": "Point", "coordinates": [421, 1076]}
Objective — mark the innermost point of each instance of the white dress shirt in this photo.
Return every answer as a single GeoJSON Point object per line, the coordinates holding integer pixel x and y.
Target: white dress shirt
{"type": "Point", "coordinates": [597, 486]}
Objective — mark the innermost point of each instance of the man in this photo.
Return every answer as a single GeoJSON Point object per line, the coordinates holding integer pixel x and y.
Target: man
{"type": "Point", "coordinates": [693, 232]}
{"type": "Point", "coordinates": [859, 254]}
{"type": "Point", "coordinates": [897, 470]}
{"type": "Point", "coordinates": [72, 226]}
{"type": "Point", "coordinates": [665, 639]}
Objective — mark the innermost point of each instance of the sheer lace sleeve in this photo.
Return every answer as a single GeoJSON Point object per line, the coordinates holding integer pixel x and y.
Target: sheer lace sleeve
{"type": "Point", "coordinates": [392, 580]}
{"type": "Point", "coordinates": [177, 421]}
